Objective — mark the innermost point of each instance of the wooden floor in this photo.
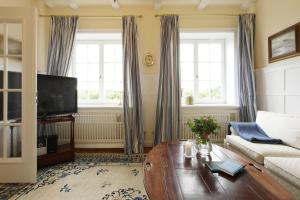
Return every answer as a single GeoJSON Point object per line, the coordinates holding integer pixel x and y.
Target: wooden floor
{"type": "Point", "coordinates": [106, 150]}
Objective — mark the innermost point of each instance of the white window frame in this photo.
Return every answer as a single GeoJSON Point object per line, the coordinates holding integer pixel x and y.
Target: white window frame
{"type": "Point", "coordinates": [195, 43]}
{"type": "Point", "coordinates": [229, 35]}
{"type": "Point", "coordinates": [101, 43]}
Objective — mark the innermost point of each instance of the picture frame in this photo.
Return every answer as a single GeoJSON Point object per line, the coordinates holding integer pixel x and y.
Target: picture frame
{"type": "Point", "coordinates": [284, 44]}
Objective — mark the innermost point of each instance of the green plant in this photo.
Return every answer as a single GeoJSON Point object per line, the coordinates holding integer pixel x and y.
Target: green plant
{"type": "Point", "coordinates": [203, 127]}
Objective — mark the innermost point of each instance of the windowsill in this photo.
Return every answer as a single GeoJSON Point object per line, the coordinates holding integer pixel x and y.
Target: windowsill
{"type": "Point", "coordinates": [212, 106]}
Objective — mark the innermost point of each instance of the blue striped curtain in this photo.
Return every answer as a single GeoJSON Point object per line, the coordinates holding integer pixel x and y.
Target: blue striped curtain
{"type": "Point", "coordinates": [133, 117]}
{"type": "Point", "coordinates": [62, 36]}
{"type": "Point", "coordinates": [168, 103]}
{"type": "Point", "coordinates": [247, 96]}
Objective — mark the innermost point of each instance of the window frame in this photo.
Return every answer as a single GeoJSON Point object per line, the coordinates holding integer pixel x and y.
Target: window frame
{"type": "Point", "coordinates": [101, 101]}
{"type": "Point", "coordinates": [195, 43]}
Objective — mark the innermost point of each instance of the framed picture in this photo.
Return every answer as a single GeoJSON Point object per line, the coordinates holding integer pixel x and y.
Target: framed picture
{"type": "Point", "coordinates": [285, 44]}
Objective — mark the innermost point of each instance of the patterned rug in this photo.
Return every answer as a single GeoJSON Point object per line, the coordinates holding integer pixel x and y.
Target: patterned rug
{"type": "Point", "coordinates": [91, 176]}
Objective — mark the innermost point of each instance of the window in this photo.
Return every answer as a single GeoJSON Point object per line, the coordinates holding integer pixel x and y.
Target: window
{"type": "Point", "coordinates": [207, 67]}
{"type": "Point", "coordinates": [97, 64]}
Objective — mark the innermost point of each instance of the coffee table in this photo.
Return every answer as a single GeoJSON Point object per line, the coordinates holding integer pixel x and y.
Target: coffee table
{"type": "Point", "coordinates": [170, 176]}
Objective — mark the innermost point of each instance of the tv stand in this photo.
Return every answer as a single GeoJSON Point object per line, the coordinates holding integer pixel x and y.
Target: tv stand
{"type": "Point", "coordinates": [64, 152]}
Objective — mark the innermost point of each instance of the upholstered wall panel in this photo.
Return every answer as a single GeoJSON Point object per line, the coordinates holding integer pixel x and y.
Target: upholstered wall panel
{"type": "Point", "coordinates": [278, 86]}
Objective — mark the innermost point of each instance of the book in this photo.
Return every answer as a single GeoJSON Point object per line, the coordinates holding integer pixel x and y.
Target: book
{"type": "Point", "coordinates": [213, 166]}
{"type": "Point", "coordinates": [230, 167]}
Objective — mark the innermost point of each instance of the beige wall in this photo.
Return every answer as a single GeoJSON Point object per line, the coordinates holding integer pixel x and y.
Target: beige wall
{"type": "Point", "coordinates": [272, 16]}
{"type": "Point", "coordinates": [149, 40]}
{"type": "Point", "coordinates": [148, 26]}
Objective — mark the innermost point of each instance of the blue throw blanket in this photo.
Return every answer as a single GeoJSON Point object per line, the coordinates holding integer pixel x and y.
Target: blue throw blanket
{"type": "Point", "coordinates": [251, 132]}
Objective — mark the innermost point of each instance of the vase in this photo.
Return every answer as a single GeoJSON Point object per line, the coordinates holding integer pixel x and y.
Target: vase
{"type": "Point", "coordinates": [204, 148]}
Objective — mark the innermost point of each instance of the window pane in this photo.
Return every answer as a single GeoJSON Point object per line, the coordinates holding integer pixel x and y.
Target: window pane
{"type": "Point", "coordinates": [14, 76]}
{"type": "Point", "coordinates": [109, 72]}
{"type": "Point", "coordinates": [216, 71]}
{"type": "Point", "coordinates": [93, 53]}
{"type": "Point", "coordinates": [187, 88]}
{"type": "Point", "coordinates": [186, 52]}
{"type": "Point", "coordinates": [109, 53]}
{"type": "Point", "coordinates": [11, 137]}
{"type": "Point", "coordinates": [82, 91]}
{"type": "Point", "coordinates": [113, 91]}
{"type": "Point", "coordinates": [119, 71]}
{"type": "Point", "coordinates": [203, 52]}
{"type": "Point", "coordinates": [81, 53]}
{"type": "Point", "coordinates": [204, 90]}
{"type": "Point", "coordinates": [93, 88]}
{"type": "Point", "coordinates": [203, 71]}
{"type": "Point", "coordinates": [93, 72]}
{"type": "Point", "coordinates": [187, 71]}
{"type": "Point", "coordinates": [119, 54]}
{"type": "Point", "coordinates": [14, 39]}
{"type": "Point", "coordinates": [216, 52]}
{"type": "Point", "coordinates": [216, 90]}
{"type": "Point", "coordinates": [81, 72]}
{"type": "Point", "coordinates": [14, 108]}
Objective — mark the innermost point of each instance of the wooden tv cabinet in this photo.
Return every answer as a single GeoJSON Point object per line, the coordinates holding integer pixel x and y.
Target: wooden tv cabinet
{"type": "Point", "coordinates": [64, 152]}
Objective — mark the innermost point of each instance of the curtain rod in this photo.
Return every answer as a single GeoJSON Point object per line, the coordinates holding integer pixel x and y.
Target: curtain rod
{"type": "Point", "coordinates": [203, 14]}
{"type": "Point", "coordinates": [100, 16]}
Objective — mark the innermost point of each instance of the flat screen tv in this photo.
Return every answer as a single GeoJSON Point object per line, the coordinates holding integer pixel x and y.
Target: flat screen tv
{"type": "Point", "coordinates": [56, 95]}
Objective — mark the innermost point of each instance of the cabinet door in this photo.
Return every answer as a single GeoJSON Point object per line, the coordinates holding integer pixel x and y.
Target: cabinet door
{"type": "Point", "coordinates": [17, 94]}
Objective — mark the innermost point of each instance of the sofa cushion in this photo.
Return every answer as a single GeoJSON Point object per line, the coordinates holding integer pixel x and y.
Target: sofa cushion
{"type": "Point", "coordinates": [286, 168]}
{"type": "Point", "coordinates": [281, 126]}
{"type": "Point", "coordinates": [257, 151]}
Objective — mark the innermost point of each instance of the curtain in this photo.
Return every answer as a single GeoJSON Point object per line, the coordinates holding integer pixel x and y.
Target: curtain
{"type": "Point", "coordinates": [167, 125]}
{"type": "Point", "coordinates": [62, 36]}
{"type": "Point", "coordinates": [133, 119]}
{"type": "Point", "coordinates": [247, 96]}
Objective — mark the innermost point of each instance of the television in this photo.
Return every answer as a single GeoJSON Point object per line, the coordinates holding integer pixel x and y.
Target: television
{"type": "Point", "coordinates": [56, 95]}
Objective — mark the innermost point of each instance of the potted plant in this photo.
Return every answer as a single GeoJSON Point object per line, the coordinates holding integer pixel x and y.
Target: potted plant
{"type": "Point", "coordinates": [203, 127]}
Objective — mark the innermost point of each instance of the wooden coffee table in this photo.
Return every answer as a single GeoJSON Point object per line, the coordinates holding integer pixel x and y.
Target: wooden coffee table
{"type": "Point", "coordinates": [170, 176]}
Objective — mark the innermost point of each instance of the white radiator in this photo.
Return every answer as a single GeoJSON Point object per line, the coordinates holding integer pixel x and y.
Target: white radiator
{"type": "Point", "coordinates": [105, 129]}
{"type": "Point", "coordinates": [94, 130]}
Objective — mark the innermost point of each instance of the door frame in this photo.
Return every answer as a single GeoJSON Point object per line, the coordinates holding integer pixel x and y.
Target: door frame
{"type": "Point", "coordinates": [24, 169]}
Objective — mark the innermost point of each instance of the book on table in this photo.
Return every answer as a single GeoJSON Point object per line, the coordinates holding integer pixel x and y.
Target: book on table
{"type": "Point", "coordinates": [230, 167]}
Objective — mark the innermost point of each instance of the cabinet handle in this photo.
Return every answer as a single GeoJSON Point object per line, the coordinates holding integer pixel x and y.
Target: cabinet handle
{"type": "Point", "coordinates": [148, 166]}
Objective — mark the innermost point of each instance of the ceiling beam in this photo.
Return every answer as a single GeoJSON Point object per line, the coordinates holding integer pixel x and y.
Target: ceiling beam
{"type": "Point", "coordinates": [157, 4]}
{"type": "Point", "coordinates": [73, 4]}
{"type": "Point", "coordinates": [49, 3]}
{"type": "Point", "coordinates": [115, 4]}
{"type": "Point", "coordinates": [247, 4]}
{"type": "Point", "coordinates": [202, 4]}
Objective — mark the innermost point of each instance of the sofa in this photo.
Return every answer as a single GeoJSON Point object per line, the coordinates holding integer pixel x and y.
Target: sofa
{"type": "Point", "coordinates": [281, 160]}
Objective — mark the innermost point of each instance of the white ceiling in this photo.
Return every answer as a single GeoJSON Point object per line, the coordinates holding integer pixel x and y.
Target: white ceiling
{"type": "Point", "coordinates": [79, 3]}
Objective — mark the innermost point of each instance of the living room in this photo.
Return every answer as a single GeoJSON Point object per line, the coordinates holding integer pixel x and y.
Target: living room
{"type": "Point", "coordinates": [93, 90]}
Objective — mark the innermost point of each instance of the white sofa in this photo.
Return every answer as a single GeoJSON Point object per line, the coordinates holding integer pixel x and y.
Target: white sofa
{"type": "Point", "coordinates": [282, 160]}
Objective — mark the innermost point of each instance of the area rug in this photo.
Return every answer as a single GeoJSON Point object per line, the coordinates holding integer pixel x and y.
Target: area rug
{"type": "Point", "coordinates": [103, 177]}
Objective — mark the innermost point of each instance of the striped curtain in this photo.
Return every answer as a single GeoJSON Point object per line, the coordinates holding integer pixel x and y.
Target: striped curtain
{"type": "Point", "coordinates": [247, 96]}
{"type": "Point", "coordinates": [168, 102]}
{"type": "Point", "coordinates": [62, 36]}
{"type": "Point", "coordinates": [133, 118]}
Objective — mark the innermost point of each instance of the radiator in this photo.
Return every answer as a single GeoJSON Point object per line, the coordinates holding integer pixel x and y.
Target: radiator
{"type": "Point", "coordinates": [222, 119]}
{"type": "Point", "coordinates": [94, 130]}
{"type": "Point", "coordinates": [99, 129]}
